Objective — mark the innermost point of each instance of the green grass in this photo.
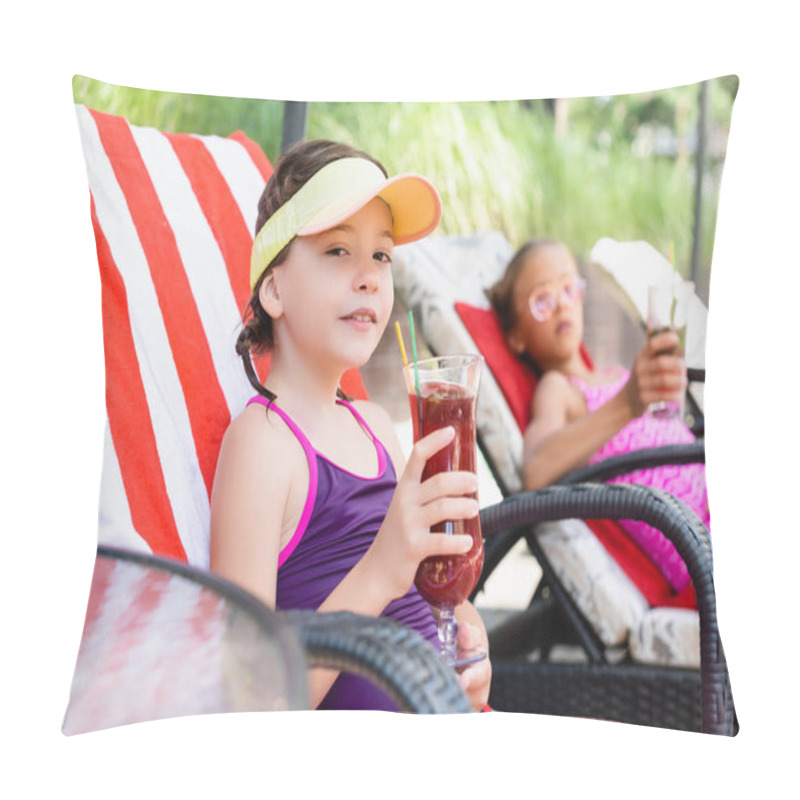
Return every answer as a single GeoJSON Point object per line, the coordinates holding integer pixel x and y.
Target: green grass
{"type": "Point", "coordinates": [261, 120]}
{"type": "Point", "coordinates": [497, 165]}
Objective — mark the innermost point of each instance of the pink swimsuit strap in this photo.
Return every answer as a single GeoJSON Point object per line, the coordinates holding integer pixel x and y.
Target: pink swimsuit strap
{"type": "Point", "coordinates": [598, 394]}
{"type": "Point", "coordinates": [312, 454]}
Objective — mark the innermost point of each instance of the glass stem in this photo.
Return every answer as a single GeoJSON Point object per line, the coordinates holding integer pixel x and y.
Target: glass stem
{"type": "Point", "coordinates": [448, 630]}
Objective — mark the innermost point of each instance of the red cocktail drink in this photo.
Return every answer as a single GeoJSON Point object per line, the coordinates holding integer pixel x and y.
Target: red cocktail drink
{"type": "Point", "coordinates": [448, 580]}
{"type": "Point", "coordinates": [443, 392]}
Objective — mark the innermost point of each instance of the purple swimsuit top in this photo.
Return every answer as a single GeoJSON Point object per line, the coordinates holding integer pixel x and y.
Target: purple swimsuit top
{"type": "Point", "coordinates": [341, 515]}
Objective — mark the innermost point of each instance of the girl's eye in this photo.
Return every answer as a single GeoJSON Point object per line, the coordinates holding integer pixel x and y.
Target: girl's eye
{"type": "Point", "coordinates": [383, 257]}
{"type": "Point", "coordinates": [337, 251]}
{"type": "Point", "coordinates": [574, 289]}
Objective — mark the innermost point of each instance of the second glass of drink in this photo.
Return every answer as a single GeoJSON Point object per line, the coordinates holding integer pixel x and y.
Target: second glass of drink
{"type": "Point", "coordinates": [668, 309]}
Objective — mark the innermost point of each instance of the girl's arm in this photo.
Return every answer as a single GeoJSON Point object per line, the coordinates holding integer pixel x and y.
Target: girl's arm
{"type": "Point", "coordinates": [252, 487]}
{"type": "Point", "coordinates": [562, 436]}
{"type": "Point", "coordinates": [476, 679]}
{"type": "Point", "coordinates": [248, 499]}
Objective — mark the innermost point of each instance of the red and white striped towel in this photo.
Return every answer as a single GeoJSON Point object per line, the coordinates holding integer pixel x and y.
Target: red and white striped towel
{"type": "Point", "coordinates": [173, 216]}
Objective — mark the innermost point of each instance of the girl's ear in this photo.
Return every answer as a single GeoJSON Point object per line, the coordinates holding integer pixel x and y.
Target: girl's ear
{"type": "Point", "coordinates": [269, 295]}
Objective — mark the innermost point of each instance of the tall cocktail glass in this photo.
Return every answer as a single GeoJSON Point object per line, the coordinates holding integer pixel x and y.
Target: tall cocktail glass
{"type": "Point", "coordinates": [443, 391]}
{"type": "Point", "coordinates": [668, 309]}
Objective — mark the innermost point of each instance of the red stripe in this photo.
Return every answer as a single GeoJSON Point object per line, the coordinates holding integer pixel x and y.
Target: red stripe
{"type": "Point", "coordinates": [133, 625]}
{"type": "Point", "coordinates": [224, 218]}
{"type": "Point", "coordinates": [101, 580]}
{"type": "Point", "coordinates": [353, 385]}
{"type": "Point", "coordinates": [220, 209]}
{"type": "Point", "coordinates": [151, 588]}
{"type": "Point", "coordinates": [129, 417]}
{"type": "Point", "coordinates": [223, 214]}
{"type": "Point", "coordinates": [639, 568]}
{"type": "Point", "coordinates": [205, 401]}
{"type": "Point", "coordinates": [205, 616]}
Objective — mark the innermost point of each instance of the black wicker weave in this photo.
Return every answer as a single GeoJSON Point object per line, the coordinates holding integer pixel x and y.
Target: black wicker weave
{"type": "Point", "coordinates": [647, 458]}
{"type": "Point", "coordinates": [393, 656]}
{"type": "Point", "coordinates": [665, 697]}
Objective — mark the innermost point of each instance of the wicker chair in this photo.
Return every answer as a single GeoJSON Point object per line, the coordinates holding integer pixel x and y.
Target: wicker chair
{"type": "Point", "coordinates": [671, 697]}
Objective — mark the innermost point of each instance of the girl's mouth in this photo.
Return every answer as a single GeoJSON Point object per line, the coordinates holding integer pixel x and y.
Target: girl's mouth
{"type": "Point", "coordinates": [563, 326]}
{"type": "Point", "coordinates": [361, 318]}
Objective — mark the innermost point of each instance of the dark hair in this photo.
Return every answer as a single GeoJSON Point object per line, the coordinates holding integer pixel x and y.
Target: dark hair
{"type": "Point", "coordinates": [293, 169]}
{"type": "Point", "coordinates": [501, 295]}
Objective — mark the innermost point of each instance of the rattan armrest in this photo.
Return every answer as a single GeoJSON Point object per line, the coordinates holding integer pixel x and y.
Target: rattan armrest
{"type": "Point", "coordinates": [393, 656]}
{"type": "Point", "coordinates": [646, 458]}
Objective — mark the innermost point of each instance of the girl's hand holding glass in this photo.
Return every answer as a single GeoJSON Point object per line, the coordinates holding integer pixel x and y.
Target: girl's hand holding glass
{"type": "Point", "coordinates": [658, 374]}
{"type": "Point", "coordinates": [404, 538]}
{"type": "Point", "coordinates": [668, 310]}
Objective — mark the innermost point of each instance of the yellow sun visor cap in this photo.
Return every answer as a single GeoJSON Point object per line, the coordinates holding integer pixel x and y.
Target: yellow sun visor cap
{"type": "Point", "coordinates": [334, 194]}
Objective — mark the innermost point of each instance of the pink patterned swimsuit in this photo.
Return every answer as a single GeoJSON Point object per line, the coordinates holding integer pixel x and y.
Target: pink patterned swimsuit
{"type": "Point", "coordinates": [687, 482]}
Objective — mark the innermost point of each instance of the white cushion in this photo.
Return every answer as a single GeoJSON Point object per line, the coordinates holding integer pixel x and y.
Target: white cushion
{"type": "Point", "coordinates": [601, 590]}
{"type": "Point", "coordinates": [667, 636]}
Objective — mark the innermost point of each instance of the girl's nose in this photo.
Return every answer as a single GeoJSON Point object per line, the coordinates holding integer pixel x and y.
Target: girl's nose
{"type": "Point", "coordinates": [367, 279]}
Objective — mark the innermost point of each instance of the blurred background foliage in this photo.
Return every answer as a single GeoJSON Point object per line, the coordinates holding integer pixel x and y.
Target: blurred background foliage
{"type": "Point", "coordinates": [576, 169]}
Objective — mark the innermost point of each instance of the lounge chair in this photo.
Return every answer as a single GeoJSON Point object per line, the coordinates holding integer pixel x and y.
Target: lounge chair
{"type": "Point", "coordinates": [645, 653]}
{"type": "Point", "coordinates": [173, 216]}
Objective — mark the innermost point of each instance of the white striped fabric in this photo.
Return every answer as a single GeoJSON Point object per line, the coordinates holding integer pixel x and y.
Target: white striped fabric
{"type": "Point", "coordinates": [151, 649]}
{"type": "Point", "coordinates": [173, 216]}
{"type": "Point", "coordinates": [115, 524]}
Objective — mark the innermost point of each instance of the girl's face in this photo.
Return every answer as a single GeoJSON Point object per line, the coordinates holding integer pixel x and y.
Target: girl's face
{"type": "Point", "coordinates": [549, 273]}
{"type": "Point", "coordinates": [332, 297]}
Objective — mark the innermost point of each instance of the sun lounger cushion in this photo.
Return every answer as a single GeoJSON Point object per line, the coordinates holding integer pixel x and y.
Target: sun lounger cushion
{"type": "Point", "coordinates": [515, 381]}
{"type": "Point", "coordinates": [597, 584]}
{"type": "Point", "coordinates": [667, 636]}
{"type": "Point", "coordinates": [173, 216]}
